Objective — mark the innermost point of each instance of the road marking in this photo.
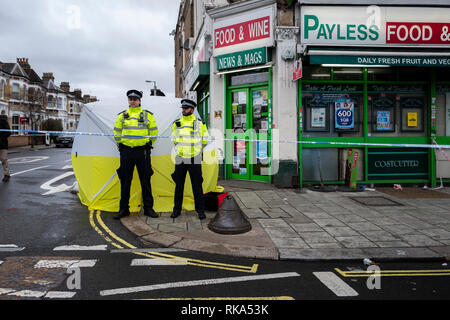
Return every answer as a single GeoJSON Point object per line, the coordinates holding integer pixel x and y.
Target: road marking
{"type": "Point", "coordinates": [102, 247]}
{"type": "Point", "coordinates": [335, 284]}
{"type": "Point", "coordinates": [5, 291]}
{"type": "Point", "coordinates": [197, 283]}
{"type": "Point", "coordinates": [225, 298]}
{"type": "Point", "coordinates": [147, 250]}
{"type": "Point", "coordinates": [60, 188]}
{"type": "Point", "coordinates": [162, 256]}
{"type": "Point", "coordinates": [10, 248]}
{"type": "Point", "coordinates": [27, 294]}
{"type": "Point", "coordinates": [155, 262]}
{"type": "Point", "coordinates": [394, 273]}
{"type": "Point", "coordinates": [1, 262]}
{"type": "Point", "coordinates": [60, 295]}
{"type": "Point", "coordinates": [49, 264]}
{"type": "Point", "coordinates": [29, 170]}
{"type": "Point", "coordinates": [22, 160]}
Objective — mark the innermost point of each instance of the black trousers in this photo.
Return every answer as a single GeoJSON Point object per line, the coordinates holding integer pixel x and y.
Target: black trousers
{"type": "Point", "coordinates": [194, 167]}
{"type": "Point", "coordinates": [141, 158]}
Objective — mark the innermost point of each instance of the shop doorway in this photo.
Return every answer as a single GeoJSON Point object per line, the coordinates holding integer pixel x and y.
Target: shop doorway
{"type": "Point", "coordinates": [248, 134]}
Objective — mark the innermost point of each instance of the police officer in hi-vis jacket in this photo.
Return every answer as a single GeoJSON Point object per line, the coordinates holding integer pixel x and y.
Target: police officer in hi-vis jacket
{"type": "Point", "coordinates": [135, 150]}
{"type": "Point", "coordinates": [190, 136]}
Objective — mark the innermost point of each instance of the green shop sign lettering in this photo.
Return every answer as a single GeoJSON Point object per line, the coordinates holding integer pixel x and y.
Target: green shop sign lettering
{"type": "Point", "coordinates": [397, 164]}
{"type": "Point", "coordinates": [325, 31]}
{"type": "Point", "coordinates": [242, 59]}
{"type": "Point", "coordinates": [382, 60]}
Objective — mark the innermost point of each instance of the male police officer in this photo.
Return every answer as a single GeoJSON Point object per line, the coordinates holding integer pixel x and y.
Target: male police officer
{"type": "Point", "coordinates": [190, 136]}
{"type": "Point", "coordinates": [135, 150]}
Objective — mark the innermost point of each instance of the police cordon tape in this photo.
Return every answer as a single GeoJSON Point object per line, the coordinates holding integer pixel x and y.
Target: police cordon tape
{"type": "Point", "coordinates": [333, 143]}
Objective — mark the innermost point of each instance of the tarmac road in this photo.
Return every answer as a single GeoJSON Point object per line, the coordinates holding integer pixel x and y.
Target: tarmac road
{"type": "Point", "coordinates": [52, 247]}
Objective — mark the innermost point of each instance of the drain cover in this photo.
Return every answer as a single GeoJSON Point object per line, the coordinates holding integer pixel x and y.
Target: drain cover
{"type": "Point", "coordinates": [375, 201]}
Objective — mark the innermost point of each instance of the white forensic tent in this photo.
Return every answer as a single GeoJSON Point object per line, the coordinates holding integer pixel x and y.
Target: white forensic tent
{"type": "Point", "coordinates": [95, 158]}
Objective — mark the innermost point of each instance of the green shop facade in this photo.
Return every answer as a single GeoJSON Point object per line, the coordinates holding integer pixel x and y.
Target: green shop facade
{"type": "Point", "coordinates": [371, 96]}
{"type": "Point", "coordinates": [378, 88]}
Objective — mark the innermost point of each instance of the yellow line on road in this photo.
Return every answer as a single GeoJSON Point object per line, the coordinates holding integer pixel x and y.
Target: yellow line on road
{"type": "Point", "coordinates": [226, 298]}
{"type": "Point", "coordinates": [393, 273]}
{"type": "Point", "coordinates": [162, 256]}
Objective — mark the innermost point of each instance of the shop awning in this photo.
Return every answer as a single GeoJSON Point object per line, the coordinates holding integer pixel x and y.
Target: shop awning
{"type": "Point", "coordinates": [354, 56]}
{"type": "Point", "coordinates": [198, 73]}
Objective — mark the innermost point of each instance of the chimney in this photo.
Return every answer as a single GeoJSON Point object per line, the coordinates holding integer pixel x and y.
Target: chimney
{"type": "Point", "coordinates": [48, 76]}
{"type": "Point", "coordinates": [65, 86]}
{"type": "Point", "coordinates": [23, 62]}
{"type": "Point", "coordinates": [78, 94]}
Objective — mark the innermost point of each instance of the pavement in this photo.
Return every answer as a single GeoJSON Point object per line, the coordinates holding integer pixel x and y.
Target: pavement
{"type": "Point", "coordinates": [28, 148]}
{"type": "Point", "coordinates": [309, 225]}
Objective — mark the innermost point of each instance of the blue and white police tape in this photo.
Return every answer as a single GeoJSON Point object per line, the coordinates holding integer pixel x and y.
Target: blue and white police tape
{"type": "Point", "coordinates": [331, 143]}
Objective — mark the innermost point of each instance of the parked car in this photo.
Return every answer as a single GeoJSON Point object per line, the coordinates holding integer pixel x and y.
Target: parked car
{"type": "Point", "coordinates": [64, 140]}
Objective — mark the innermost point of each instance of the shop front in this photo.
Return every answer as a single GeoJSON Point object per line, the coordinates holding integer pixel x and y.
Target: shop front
{"type": "Point", "coordinates": [243, 45]}
{"type": "Point", "coordinates": [374, 79]}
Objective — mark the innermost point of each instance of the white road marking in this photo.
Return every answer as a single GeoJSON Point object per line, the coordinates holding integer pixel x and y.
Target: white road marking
{"type": "Point", "coordinates": [60, 295]}
{"type": "Point", "coordinates": [28, 294]}
{"type": "Point", "coordinates": [60, 188]}
{"type": "Point", "coordinates": [1, 262]}
{"type": "Point", "coordinates": [49, 264]}
{"type": "Point", "coordinates": [81, 248]}
{"type": "Point", "coordinates": [10, 248]}
{"type": "Point", "coordinates": [197, 283]}
{"type": "Point", "coordinates": [155, 262]}
{"type": "Point", "coordinates": [335, 284]}
{"type": "Point", "coordinates": [26, 159]}
{"type": "Point", "coordinates": [5, 291]}
{"type": "Point", "coordinates": [29, 170]}
{"type": "Point", "coordinates": [67, 167]}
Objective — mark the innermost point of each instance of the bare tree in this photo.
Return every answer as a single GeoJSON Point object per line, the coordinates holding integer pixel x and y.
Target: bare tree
{"type": "Point", "coordinates": [35, 109]}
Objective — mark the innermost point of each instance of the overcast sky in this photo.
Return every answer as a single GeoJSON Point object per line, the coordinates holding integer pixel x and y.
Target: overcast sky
{"type": "Point", "coordinates": [103, 47]}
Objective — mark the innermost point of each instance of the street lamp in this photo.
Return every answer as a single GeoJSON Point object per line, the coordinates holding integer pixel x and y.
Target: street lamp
{"type": "Point", "coordinates": [155, 91]}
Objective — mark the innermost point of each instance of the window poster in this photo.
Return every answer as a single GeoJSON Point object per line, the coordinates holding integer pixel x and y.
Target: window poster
{"type": "Point", "coordinates": [412, 119]}
{"type": "Point", "coordinates": [318, 117]}
{"type": "Point", "coordinates": [344, 114]}
{"type": "Point", "coordinates": [261, 150]}
{"type": "Point", "coordinates": [383, 121]}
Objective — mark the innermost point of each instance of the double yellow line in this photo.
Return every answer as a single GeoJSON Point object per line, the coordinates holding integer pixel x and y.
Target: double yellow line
{"type": "Point", "coordinates": [394, 273]}
{"type": "Point", "coordinates": [120, 243]}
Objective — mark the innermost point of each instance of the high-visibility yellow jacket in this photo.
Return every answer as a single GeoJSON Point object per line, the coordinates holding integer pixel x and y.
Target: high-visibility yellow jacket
{"type": "Point", "coordinates": [190, 136]}
{"type": "Point", "coordinates": [135, 121]}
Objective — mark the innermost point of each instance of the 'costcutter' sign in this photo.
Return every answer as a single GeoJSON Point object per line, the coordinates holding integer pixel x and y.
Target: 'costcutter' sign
{"type": "Point", "coordinates": [374, 25]}
{"type": "Point", "coordinates": [242, 32]}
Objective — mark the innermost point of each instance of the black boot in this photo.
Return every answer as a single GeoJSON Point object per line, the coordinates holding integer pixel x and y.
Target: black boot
{"type": "Point", "coordinates": [122, 214]}
{"type": "Point", "coordinates": [201, 215]}
{"type": "Point", "coordinates": [150, 213]}
{"type": "Point", "coordinates": [175, 214]}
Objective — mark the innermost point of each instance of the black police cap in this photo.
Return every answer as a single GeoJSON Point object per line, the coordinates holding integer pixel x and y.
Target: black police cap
{"type": "Point", "coordinates": [188, 103]}
{"type": "Point", "coordinates": [134, 94]}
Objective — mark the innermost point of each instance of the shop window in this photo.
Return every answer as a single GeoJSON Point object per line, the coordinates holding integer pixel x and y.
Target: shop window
{"type": "Point", "coordinates": [316, 73]}
{"type": "Point", "coordinates": [239, 111]}
{"type": "Point", "coordinates": [381, 74]}
{"type": "Point", "coordinates": [413, 74]}
{"type": "Point", "coordinates": [443, 74]}
{"type": "Point", "coordinates": [334, 106]}
{"type": "Point", "coordinates": [412, 114]}
{"type": "Point", "coordinates": [347, 73]}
